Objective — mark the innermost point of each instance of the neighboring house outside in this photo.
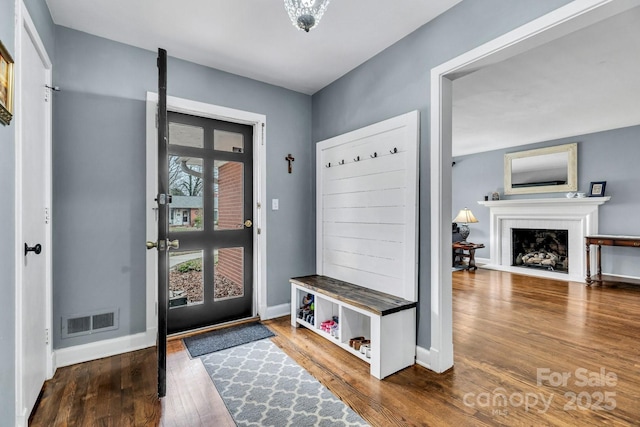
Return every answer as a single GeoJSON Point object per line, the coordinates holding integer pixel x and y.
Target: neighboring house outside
{"type": "Point", "coordinates": [184, 210]}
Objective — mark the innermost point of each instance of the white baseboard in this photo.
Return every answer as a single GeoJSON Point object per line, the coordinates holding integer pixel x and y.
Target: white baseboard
{"type": "Point", "coordinates": [276, 311]}
{"type": "Point", "coordinates": [620, 276]}
{"type": "Point", "coordinates": [423, 357]}
{"type": "Point", "coordinates": [99, 349]}
{"type": "Point", "coordinates": [482, 261]}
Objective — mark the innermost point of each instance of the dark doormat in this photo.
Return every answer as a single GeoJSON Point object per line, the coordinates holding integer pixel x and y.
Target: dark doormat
{"type": "Point", "coordinates": [226, 338]}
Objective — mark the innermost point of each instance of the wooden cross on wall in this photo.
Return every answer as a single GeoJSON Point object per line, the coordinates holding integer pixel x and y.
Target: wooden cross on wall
{"type": "Point", "coordinates": [289, 159]}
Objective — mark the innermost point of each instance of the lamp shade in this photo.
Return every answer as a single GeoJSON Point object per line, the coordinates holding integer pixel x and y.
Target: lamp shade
{"type": "Point", "coordinates": [465, 216]}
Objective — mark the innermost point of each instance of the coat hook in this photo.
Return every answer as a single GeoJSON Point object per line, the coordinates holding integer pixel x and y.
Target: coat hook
{"type": "Point", "coordinates": [375, 154]}
{"type": "Point", "coordinates": [394, 151]}
{"type": "Point", "coordinates": [357, 159]}
{"type": "Point", "coordinates": [328, 165]}
{"type": "Point", "coordinates": [341, 162]}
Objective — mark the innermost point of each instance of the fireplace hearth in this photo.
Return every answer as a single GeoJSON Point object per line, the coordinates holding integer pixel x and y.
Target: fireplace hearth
{"type": "Point", "coordinates": [540, 248]}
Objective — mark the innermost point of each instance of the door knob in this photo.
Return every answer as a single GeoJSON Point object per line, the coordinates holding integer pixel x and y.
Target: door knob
{"type": "Point", "coordinates": [35, 249]}
{"type": "Point", "coordinates": [248, 223]}
{"type": "Point", "coordinates": [171, 244]}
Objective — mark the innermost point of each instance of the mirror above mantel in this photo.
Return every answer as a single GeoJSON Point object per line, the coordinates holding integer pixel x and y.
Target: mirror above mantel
{"type": "Point", "coordinates": [543, 170]}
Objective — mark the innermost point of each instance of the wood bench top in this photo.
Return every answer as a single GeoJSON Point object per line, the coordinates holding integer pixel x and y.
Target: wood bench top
{"type": "Point", "coordinates": [376, 302]}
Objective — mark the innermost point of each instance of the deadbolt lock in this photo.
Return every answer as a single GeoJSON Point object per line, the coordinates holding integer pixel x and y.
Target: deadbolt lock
{"type": "Point", "coordinates": [248, 223]}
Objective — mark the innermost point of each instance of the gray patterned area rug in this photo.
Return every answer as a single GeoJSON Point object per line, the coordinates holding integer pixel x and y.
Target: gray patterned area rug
{"type": "Point", "coordinates": [262, 386]}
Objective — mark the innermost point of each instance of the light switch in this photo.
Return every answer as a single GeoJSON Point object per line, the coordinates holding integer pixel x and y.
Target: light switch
{"type": "Point", "coordinates": [274, 204]}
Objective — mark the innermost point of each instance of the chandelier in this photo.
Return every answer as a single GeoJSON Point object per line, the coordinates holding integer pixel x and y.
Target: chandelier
{"type": "Point", "coordinates": [305, 14]}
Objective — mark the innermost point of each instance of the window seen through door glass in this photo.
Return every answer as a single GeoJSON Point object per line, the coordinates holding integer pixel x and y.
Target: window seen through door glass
{"type": "Point", "coordinates": [228, 195]}
{"type": "Point", "coordinates": [228, 273]}
{"type": "Point", "coordinates": [228, 141]}
{"type": "Point", "coordinates": [186, 283]}
{"type": "Point", "coordinates": [186, 135]}
{"type": "Point", "coordinates": [185, 187]}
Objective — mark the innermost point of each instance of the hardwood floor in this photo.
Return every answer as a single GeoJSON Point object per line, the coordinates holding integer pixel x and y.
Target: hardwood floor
{"type": "Point", "coordinates": [122, 391]}
{"type": "Point", "coordinates": [507, 327]}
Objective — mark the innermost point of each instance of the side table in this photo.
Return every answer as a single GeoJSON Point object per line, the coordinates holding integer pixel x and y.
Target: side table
{"type": "Point", "coordinates": [468, 251]}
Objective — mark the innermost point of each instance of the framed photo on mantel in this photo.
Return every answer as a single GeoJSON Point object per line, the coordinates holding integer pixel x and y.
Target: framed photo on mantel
{"type": "Point", "coordinates": [6, 86]}
{"type": "Point", "coordinates": [597, 189]}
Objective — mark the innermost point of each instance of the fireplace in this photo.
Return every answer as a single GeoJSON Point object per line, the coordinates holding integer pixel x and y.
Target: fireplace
{"type": "Point", "coordinates": [546, 249]}
{"type": "Point", "coordinates": [577, 217]}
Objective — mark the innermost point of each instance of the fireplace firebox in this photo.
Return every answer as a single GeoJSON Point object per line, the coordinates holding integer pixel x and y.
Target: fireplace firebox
{"type": "Point", "coordinates": [540, 248]}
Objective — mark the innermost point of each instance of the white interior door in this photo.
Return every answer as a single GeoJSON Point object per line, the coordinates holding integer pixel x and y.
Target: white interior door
{"type": "Point", "coordinates": [33, 363]}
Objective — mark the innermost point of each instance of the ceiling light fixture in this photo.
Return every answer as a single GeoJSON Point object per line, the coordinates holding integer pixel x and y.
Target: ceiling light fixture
{"type": "Point", "coordinates": [305, 14]}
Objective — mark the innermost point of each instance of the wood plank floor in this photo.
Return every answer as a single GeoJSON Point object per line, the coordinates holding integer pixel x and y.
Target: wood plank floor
{"type": "Point", "coordinates": [507, 327]}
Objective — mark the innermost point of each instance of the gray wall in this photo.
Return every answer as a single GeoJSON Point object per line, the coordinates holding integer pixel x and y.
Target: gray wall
{"type": "Point", "coordinates": [604, 156]}
{"type": "Point", "coordinates": [7, 250]}
{"type": "Point", "coordinates": [397, 81]}
{"type": "Point", "coordinates": [99, 174]}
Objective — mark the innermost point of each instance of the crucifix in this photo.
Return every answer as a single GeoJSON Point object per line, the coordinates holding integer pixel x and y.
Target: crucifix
{"type": "Point", "coordinates": [289, 159]}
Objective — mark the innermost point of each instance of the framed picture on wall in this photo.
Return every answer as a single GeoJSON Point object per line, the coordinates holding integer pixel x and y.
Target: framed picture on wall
{"type": "Point", "coordinates": [6, 85]}
{"type": "Point", "coordinates": [597, 189]}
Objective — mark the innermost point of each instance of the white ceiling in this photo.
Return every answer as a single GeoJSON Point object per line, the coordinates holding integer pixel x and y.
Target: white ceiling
{"type": "Point", "coordinates": [254, 38]}
{"type": "Point", "coordinates": [585, 82]}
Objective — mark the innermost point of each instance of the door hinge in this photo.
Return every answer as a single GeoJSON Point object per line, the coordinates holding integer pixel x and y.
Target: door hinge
{"type": "Point", "coordinates": [47, 91]}
{"type": "Point", "coordinates": [46, 336]}
{"type": "Point", "coordinates": [259, 230]}
{"type": "Point", "coordinates": [263, 133]}
{"type": "Point", "coordinates": [47, 218]}
{"type": "Point", "coordinates": [258, 205]}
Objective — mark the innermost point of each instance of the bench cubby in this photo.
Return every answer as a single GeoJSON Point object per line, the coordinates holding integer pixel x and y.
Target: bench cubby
{"type": "Point", "coordinates": [388, 321]}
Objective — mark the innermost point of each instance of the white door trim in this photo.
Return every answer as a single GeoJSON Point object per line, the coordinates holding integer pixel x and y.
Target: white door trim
{"type": "Point", "coordinates": [23, 20]}
{"type": "Point", "coordinates": [562, 21]}
{"type": "Point", "coordinates": [258, 121]}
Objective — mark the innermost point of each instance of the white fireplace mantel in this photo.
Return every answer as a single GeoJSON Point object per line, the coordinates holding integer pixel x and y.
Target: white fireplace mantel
{"type": "Point", "coordinates": [577, 215]}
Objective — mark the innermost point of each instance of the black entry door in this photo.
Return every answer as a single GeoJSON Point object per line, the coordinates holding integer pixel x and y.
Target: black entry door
{"type": "Point", "coordinates": [160, 244]}
{"type": "Point", "coordinates": [210, 180]}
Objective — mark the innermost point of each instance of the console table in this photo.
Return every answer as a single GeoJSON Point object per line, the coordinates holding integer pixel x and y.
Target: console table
{"type": "Point", "coordinates": [605, 240]}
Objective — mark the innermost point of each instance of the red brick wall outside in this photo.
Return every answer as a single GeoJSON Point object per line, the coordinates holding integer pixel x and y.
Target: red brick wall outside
{"type": "Point", "coordinates": [194, 214]}
{"type": "Point", "coordinates": [230, 217]}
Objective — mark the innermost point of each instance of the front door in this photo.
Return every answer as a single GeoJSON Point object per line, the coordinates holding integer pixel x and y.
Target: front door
{"type": "Point", "coordinates": [210, 180]}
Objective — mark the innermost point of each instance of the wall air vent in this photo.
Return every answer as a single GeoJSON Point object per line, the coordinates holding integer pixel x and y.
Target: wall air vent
{"type": "Point", "coordinates": [103, 321]}
{"type": "Point", "coordinates": [79, 325]}
{"type": "Point", "coordinates": [90, 323]}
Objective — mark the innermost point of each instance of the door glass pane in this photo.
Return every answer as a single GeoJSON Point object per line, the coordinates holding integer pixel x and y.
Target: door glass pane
{"type": "Point", "coordinates": [186, 135]}
{"type": "Point", "coordinates": [186, 283]}
{"type": "Point", "coordinates": [228, 195]}
{"type": "Point", "coordinates": [228, 141]}
{"type": "Point", "coordinates": [228, 273]}
{"type": "Point", "coordinates": [185, 187]}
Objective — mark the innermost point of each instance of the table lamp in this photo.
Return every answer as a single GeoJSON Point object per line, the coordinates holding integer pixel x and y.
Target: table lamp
{"type": "Point", "coordinates": [465, 217]}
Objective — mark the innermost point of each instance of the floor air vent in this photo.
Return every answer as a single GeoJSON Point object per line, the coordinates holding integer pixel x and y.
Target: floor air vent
{"type": "Point", "coordinates": [89, 323]}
